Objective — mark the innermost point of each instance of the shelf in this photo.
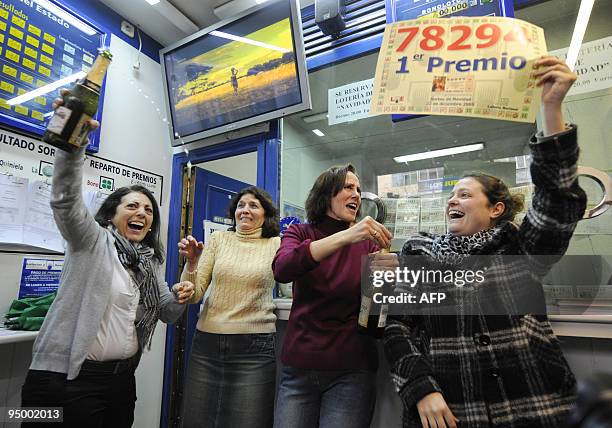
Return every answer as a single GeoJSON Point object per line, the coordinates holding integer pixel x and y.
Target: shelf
{"type": "Point", "coordinates": [283, 308]}
{"type": "Point", "coordinates": [14, 336]}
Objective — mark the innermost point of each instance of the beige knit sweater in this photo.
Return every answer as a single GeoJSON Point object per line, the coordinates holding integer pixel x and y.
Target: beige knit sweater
{"type": "Point", "coordinates": [238, 267]}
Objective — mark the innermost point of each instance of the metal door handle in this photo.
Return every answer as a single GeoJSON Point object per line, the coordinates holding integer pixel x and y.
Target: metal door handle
{"type": "Point", "coordinates": [605, 182]}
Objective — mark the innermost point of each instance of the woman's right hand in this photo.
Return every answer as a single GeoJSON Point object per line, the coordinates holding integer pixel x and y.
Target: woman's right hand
{"type": "Point", "coordinates": [435, 413]}
{"type": "Point", "coordinates": [368, 228]}
{"type": "Point", "coordinates": [191, 249]}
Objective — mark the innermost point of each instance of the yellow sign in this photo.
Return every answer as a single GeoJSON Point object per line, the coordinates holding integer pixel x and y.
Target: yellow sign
{"type": "Point", "coordinates": [467, 66]}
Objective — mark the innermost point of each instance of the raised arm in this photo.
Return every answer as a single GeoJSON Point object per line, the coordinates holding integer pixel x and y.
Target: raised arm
{"type": "Point", "coordinates": [76, 225]}
{"type": "Point", "coordinates": [205, 263]}
{"type": "Point", "coordinates": [558, 201]}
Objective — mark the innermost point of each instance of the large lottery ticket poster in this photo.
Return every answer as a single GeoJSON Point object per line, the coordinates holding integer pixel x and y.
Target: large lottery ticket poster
{"type": "Point", "coordinates": [470, 66]}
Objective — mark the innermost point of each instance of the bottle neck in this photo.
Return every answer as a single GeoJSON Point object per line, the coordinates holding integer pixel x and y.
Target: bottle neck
{"type": "Point", "coordinates": [95, 76]}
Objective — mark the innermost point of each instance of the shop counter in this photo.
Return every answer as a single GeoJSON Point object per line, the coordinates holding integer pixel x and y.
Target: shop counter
{"type": "Point", "coordinates": [13, 336]}
{"type": "Point", "coordinates": [596, 326]}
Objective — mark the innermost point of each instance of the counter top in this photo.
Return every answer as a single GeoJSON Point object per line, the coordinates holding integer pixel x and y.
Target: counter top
{"type": "Point", "coordinates": [13, 336]}
{"type": "Point", "coordinates": [597, 326]}
{"type": "Point", "coordinates": [283, 308]}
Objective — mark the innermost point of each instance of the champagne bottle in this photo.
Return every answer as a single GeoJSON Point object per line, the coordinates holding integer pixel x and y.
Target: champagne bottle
{"type": "Point", "coordinates": [370, 323]}
{"type": "Point", "coordinates": [68, 128]}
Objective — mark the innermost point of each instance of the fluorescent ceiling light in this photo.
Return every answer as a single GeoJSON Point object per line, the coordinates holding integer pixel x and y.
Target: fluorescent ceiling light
{"type": "Point", "coordinates": [45, 89]}
{"type": "Point", "coordinates": [260, 1]}
{"type": "Point", "coordinates": [152, 2]}
{"type": "Point", "coordinates": [318, 133]}
{"type": "Point", "coordinates": [584, 13]}
{"type": "Point", "coordinates": [248, 41]}
{"type": "Point", "coordinates": [439, 153]}
{"type": "Point", "coordinates": [66, 17]}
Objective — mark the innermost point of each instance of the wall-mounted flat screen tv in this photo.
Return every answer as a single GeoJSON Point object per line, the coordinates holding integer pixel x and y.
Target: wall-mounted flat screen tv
{"type": "Point", "coordinates": [239, 72]}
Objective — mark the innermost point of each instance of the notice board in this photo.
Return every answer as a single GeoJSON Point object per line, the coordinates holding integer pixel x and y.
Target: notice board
{"type": "Point", "coordinates": [38, 46]}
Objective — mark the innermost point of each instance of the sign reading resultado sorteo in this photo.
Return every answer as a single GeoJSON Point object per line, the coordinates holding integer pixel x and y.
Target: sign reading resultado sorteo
{"type": "Point", "coordinates": [477, 67]}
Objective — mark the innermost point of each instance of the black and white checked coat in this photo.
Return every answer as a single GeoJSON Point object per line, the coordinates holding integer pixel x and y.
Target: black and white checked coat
{"type": "Point", "coordinates": [498, 370]}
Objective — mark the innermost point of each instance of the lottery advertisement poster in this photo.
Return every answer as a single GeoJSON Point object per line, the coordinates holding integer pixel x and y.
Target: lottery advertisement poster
{"type": "Point", "coordinates": [468, 66]}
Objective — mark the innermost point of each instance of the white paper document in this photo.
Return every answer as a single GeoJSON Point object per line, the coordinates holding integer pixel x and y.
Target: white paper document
{"type": "Point", "coordinates": [39, 227]}
{"type": "Point", "coordinates": [13, 195]}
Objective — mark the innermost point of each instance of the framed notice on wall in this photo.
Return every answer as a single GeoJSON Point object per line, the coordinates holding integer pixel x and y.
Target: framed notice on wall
{"type": "Point", "coordinates": [41, 43]}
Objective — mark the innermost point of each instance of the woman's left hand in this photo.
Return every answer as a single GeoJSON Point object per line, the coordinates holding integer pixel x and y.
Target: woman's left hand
{"type": "Point", "coordinates": [555, 77]}
{"type": "Point", "coordinates": [383, 261]}
{"type": "Point", "coordinates": [183, 291]}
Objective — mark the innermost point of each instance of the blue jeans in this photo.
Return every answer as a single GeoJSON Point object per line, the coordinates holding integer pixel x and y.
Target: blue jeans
{"type": "Point", "coordinates": [230, 381]}
{"type": "Point", "coordinates": [325, 398]}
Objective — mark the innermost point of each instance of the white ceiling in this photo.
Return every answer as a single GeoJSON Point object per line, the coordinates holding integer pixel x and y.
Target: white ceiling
{"type": "Point", "coordinates": [171, 20]}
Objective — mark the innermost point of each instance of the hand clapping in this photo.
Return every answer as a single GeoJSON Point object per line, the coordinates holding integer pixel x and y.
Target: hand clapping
{"type": "Point", "coordinates": [183, 291]}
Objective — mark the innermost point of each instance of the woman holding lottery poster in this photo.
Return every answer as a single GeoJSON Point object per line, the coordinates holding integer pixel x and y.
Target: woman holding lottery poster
{"type": "Point", "coordinates": [505, 370]}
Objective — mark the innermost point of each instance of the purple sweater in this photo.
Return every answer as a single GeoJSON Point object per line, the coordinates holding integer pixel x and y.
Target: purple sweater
{"type": "Point", "coordinates": [322, 331]}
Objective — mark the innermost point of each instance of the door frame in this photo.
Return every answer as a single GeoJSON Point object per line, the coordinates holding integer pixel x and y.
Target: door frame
{"type": "Point", "coordinates": [267, 145]}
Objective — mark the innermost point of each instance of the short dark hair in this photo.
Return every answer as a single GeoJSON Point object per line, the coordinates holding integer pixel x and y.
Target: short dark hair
{"type": "Point", "coordinates": [497, 191]}
{"type": "Point", "coordinates": [108, 209]}
{"type": "Point", "coordinates": [271, 226]}
{"type": "Point", "coordinates": [326, 186]}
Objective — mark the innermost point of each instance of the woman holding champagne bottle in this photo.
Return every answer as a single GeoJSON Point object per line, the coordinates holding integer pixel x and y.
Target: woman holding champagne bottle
{"type": "Point", "coordinates": [111, 295]}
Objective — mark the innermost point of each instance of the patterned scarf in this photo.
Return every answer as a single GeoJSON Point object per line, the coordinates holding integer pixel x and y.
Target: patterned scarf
{"type": "Point", "coordinates": [137, 260]}
{"type": "Point", "coordinates": [453, 249]}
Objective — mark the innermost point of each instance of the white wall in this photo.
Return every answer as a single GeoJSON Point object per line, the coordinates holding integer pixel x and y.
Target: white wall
{"type": "Point", "coordinates": [132, 133]}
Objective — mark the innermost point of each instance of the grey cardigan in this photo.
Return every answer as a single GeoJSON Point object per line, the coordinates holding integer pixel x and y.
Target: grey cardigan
{"type": "Point", "coordinates": [72, 323]}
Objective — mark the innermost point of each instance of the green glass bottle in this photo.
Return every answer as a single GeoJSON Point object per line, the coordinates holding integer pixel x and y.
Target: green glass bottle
{"type": "Point", "coordinates": [369, 322]}
{"type": "Point", "coordinates": [67, 129]}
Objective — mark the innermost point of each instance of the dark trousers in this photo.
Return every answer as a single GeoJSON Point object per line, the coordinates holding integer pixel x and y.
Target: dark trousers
{"type": "Point", "coordinates": [97, 398]}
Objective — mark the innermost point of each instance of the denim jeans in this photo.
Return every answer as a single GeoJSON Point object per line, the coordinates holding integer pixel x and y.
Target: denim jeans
{"type": "Point", "coordinates": [92, 400]}
{"type": "Point", "coordinates": [230, 381]}
{"type": "Point", "coordinates": [325, 398]}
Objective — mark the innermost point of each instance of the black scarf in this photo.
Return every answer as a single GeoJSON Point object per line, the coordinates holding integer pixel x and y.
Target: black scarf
{"type": "Point", "coordinates": [453, 249]}
{"type": "Point", "coordinates": [137, 260]}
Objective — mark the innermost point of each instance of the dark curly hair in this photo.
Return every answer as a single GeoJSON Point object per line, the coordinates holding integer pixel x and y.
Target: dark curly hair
{"type": "Point", "coordinates": [271, 226]}
{"type": "Point", "coordinates": [326, 186]}
{"type": "Point", "coordinates": [497, 191]}
{"type": "Point", "coordinates": [109, 207]}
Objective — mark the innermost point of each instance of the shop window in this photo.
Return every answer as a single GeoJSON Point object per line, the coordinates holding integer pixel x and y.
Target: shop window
{"type": "Point", "coordinates": [416, 193]}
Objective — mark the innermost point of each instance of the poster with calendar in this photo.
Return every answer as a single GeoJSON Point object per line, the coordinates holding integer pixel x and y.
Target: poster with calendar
{"type": "Point", "coordinates": [465, 66]}
{"type": "Point", "coordinates": [39, 45]}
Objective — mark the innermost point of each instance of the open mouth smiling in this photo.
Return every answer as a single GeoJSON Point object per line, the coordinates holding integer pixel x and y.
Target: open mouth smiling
{"type": "Point", "coordinates": [455, 214]}
{"type": "Point", "coordinates": [136, 225]}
